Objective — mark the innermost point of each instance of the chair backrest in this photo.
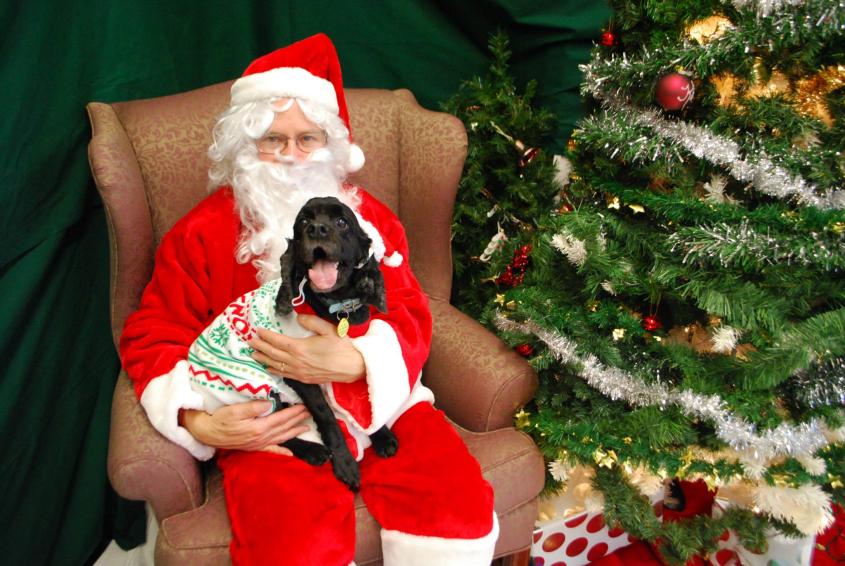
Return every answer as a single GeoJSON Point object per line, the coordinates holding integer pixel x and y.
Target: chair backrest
{"type": "Point", "coordinates": [149, 162]}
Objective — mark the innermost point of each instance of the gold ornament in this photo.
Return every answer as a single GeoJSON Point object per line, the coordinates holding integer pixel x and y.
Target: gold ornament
{"type": "Point", "coordinates": [810, 92]}
{"type": "Point", "coordinates": [522, 419]}
{"type": "Point", "coordinates": [613, 202]}
{"type": "Point", "coordinates": [510, 305]}
{"type": "Point", "coordinates": [605, 459]}
{"type": "Point", "coordinates": [726, 85]}
{"type": "Point", "coordinates": [637, 208]}
{"type": "Point", "coordinates": [572, 145]}
{"type": "Point", "coordinates": [777, 82]}
{"type": "Point", "coordinates": [500, 299]}
{"type": "Point", "coordinates": [627, 440]}
{"type": "Point", "coordinates": [708, 29]}
{"type": "Point", "coordinates": [838, 227]}
{"type": "Point", "coordinates": [618, 334]}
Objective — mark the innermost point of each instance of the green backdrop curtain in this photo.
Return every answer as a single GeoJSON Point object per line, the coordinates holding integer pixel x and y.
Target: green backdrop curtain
{"type": "Point", "coordinates": [58, 360]}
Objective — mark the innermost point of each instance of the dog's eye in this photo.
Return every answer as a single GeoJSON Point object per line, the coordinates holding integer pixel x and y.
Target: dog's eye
{"type": "Point", "coordinates": [341, 223]}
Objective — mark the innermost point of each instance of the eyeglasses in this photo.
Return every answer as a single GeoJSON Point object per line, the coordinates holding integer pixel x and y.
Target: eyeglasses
{"type": "Point", "coordinates": [306, 142]}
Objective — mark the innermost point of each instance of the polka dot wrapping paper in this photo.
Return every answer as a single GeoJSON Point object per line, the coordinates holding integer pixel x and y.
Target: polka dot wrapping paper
{"type": "Point", "coordinates": [575, 540]}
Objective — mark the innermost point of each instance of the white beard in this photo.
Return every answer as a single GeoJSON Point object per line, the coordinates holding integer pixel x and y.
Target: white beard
{"type": "Point", "coordinates": [269, 196]}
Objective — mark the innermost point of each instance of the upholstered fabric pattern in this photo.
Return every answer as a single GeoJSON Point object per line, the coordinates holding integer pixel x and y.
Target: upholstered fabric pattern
{"type": "Point", "coordinates": [150, 165]}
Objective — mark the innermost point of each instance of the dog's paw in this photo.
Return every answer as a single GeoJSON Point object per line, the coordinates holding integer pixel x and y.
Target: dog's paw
{"type": "Point", "coordinates": [346, 470]}
{"type": "Point", "coordinates": [312, 452]}
{"type": "Point", "coordinates": [384, 442]}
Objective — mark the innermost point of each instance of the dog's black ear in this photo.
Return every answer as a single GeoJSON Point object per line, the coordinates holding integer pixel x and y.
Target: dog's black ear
{"type": "Point", "coordinates": [370, 285]}
{"type": "Point", "coordinates": [285, 294]}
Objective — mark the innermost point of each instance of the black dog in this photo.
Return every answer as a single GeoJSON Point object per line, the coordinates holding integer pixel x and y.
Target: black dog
{"type": "Point", "coordinates": [332, 251]}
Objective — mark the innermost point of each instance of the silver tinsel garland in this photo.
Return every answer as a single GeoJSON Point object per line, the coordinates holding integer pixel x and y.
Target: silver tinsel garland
{"type": "Point", "coordinates": [731, 244]}
{"type": "Point", "coordinates": [822, 384]}
{"type": "Point", "coordinates": [786, 440]}
{"type": "Point", "coordinates": [764, 175]}
{"type": "Point", "coordinates": [765, 7]}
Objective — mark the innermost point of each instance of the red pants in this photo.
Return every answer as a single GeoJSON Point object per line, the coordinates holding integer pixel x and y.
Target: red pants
{"type": "Point", "coordinates": [428, 498]}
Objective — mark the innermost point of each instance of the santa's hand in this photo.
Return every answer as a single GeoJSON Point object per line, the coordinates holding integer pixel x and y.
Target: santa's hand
{"type": "Point", "coordinates": [321, 358]}
{"type": "Point", "coordinates": [241, 426]}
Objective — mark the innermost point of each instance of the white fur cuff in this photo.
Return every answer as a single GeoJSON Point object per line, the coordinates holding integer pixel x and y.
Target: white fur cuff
{"type": "Point", "coordinates": [162, 399]}
{"type": "Point", "coordinates": [387, 375]}
{"type": "Point", "coordinates": [402, 549]}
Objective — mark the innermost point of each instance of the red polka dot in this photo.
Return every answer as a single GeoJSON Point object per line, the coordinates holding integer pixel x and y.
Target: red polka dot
{"type": "Point", "coordinates": [553, 542]}
{"type": "Point", "coordinates": [538, 561]}
{"type": "Point", "coordinates": [724, 556]}
{"type": "Point", "coordinates": [725, 535]}
{"type": "Point", "coordinates": [538, 535]}
{"type": "Point", "coordinates": [576, 547]}
{"type": "Point", "coordinates": [615, 532]}
{"type": "Point", "coordinates": [597, 551]}
{"type": "Point", "coordinates": [596, 524]}
{"type": "Point", "coordinates": [576, 521]}
{"type": "Point", "coordinates": [658, 509]}
{"type": "Point", "coordinates": [559, 564]}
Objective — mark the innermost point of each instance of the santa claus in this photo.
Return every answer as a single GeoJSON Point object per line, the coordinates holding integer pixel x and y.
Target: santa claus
{"type": "Point", "coordinates": [284, 139]}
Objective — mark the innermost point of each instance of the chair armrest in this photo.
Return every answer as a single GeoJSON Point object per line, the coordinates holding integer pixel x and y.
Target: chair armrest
{"type": "Point", "coordinates": [476, 378]}
{"type": "Point", "coordinates": [143, 465]}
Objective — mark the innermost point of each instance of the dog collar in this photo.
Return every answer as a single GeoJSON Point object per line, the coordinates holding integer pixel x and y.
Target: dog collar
{"type": "Point", "coordinates": [347, 306]}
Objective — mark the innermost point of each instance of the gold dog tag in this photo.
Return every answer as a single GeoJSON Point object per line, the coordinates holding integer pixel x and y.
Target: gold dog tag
{"type": "Point", "coordinates": [343, 327]}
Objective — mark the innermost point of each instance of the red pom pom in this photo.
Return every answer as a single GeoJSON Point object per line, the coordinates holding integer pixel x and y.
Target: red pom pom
{"type": "Point", "coordinates": [674, 91]}
{"type": "Point", "coordinates": [651, 323]}
{"type": "Point", "coordinates": [525, 350]}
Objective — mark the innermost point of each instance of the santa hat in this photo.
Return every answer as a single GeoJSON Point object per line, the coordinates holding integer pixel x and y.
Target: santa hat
{"type": "Point", "coordinates": [379, 249]}
{"type": "Point", "coordinates": [308, 70]}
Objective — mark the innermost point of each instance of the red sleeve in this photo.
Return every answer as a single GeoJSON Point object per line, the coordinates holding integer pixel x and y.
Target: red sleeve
{"type": "Point", "coordinates": [175, 307]}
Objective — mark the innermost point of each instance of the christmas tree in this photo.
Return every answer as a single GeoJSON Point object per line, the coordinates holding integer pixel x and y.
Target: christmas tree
{"type": "Point", "coordinates": [507, 183]}
{"type": "Point", "coordinates": [683, 298]}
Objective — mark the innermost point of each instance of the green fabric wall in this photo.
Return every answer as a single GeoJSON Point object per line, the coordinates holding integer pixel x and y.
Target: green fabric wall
{"type": "Point", "coordinates": [59, 364]}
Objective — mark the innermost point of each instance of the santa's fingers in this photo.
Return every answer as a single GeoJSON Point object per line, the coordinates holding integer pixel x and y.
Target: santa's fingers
{"type": "Point", "coordinates": [276, 363]}
{"type": "Point", "coordinates": [275, 340]}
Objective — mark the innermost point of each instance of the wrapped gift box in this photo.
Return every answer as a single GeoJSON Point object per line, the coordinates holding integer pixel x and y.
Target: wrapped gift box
{"type": "Point", "coordinates": [575, 540]}
{"type": "Point", "coordinates": [568, 535]}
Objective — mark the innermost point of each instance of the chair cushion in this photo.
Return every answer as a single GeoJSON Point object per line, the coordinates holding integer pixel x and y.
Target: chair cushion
{"type": "Point", "coordinates": [508, 459]}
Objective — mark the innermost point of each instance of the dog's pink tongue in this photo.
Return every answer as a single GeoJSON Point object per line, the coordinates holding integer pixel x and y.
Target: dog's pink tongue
{"type": "Point", "coordinates": [323, 274]}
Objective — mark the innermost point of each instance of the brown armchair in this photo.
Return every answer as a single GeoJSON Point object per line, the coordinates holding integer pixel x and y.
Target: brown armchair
{"type": "Point", "coordinates": [149, 164]}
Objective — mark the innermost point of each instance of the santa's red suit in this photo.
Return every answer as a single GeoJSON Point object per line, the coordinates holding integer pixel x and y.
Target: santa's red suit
{"type": "Point", "coordinates": [430, 499]}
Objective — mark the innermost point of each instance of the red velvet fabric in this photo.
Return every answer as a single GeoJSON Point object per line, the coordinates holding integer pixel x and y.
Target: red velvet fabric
{"type": "Point", "coordinates": [315, 54]}
{"type": "Point", "coordinates": [284, 511]}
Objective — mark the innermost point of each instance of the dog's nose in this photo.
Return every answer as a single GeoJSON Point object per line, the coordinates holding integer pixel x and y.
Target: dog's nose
{"type": "Point", "coordinates": [317, 230]}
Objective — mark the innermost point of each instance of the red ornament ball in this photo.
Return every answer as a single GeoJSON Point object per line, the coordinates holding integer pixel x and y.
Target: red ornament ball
{"type": "Point", "coordinates": [525, 350]}
{"type": "Point", "coordinates": [674, 91]}
{"type": "Point", "coordinates": [651, 323]}
{"type": "Point", "coordinates": [608, 39]}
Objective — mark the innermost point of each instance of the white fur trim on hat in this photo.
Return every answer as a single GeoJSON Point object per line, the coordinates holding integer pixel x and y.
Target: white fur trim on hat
{"type": "Point", "coordinates": [162, 399]}
{"type": "Point", "coordinates": [356, 159]}
{"type": "Point", "coordinates": [377, 248]}
{"type": "Point", "coordinates": [284, 82]}
{"type": "Point", "coordinates": [403, 549]}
